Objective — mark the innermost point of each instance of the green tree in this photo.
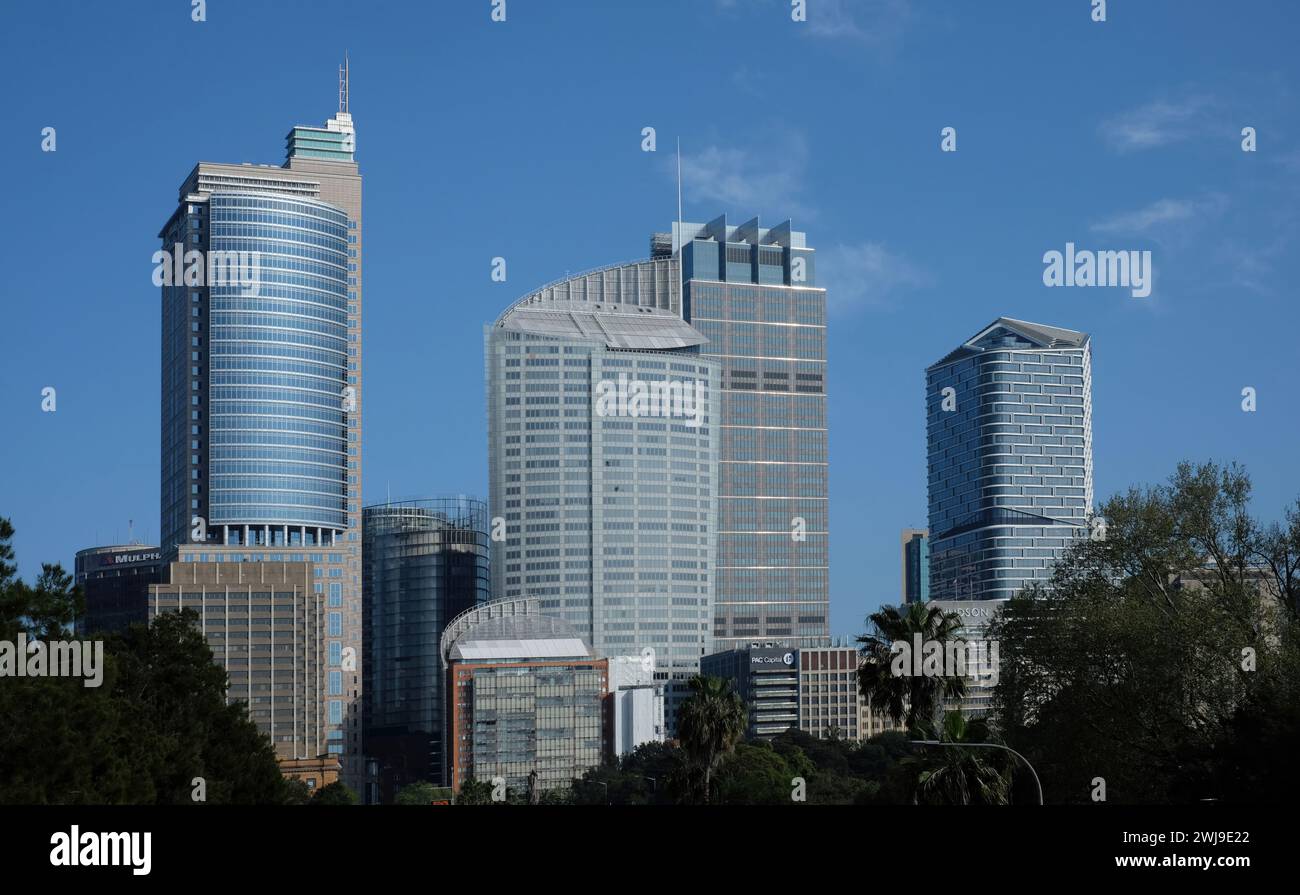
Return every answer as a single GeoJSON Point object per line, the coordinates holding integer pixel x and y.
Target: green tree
{"type": "Point", "coordinates": [1162, 656]}
{"type": "Point", "coordinates": [336, 793]}
{"type": "Point", "coordinates": [914, 697]}
{"type": "Point", "coordinates": [474, 792]}
{"type": "Point", "coordinates": [709, 724]}
{"type": "Point", "coordinates": [756, 774]}
{"type": "Point", "coordinates": [959, 775]}
{"type": "Point", "coordinates": [157, 721]}
{"type": "Point", "coordinates": [296, 792]}
{"type": "Point", "coordinates": [421, 793]}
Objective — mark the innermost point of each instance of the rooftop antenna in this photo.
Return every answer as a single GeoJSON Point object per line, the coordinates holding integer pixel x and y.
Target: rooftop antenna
{"type": "Point", "coordinates": [130, 531]}
{"type": "Point", "coordinates": [679, 193]}
{"type": "Point", "coordinates": [343, 83]}
{"type": "Point", "coordinates": [677, 238]}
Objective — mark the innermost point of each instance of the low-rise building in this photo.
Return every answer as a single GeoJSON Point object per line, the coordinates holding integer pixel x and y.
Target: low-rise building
{"type": "Point", "coordinates": [812, 688]}
{"type": "Point", "coordinates": [525, 694]}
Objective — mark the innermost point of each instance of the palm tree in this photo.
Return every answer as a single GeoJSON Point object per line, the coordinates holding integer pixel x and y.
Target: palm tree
{"type": "Point", "coordinates": [915, 696]}
{"type": "Point", "coordinates": [709, 724]}
{"type": "Point", "coordinates": [958, 776]}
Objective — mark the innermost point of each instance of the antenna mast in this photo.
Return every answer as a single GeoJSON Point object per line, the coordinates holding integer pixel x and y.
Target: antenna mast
{"type": "Point", "coordinates": [343, 83]}
{"type": "Point", "coordinates": [679, 193]}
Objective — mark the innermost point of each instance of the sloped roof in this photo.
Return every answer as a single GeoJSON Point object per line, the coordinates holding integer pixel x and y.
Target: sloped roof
{"type": "Point", "coordinates": [1038, 335]}
{"type": "Point", "coordinates": [614, 325]}
{"type": "Point", "coordinates": [518, 637]}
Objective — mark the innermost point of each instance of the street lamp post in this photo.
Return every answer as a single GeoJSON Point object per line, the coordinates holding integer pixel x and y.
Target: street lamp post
{"type": "Point", "coordinates": [1037, 783]}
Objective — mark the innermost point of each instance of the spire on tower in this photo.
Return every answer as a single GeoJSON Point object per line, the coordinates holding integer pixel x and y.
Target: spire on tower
{"type": "Point", "coordinates": [343, 83]}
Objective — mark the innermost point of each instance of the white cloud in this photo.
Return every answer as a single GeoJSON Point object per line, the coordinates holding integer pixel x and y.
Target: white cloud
{"type": "Point", "coordinates": [766, 178]}
{"type": "Point", "coordinates": [864, 275]}
{"type": "Point", "coordinates": [1162, 122]}
{"type": "Point", "coordinates": [879, 23]}
{"type": "Point", "coordinates": [1162, 218]}
{"type": "Point", "coordinates": [875, 23]}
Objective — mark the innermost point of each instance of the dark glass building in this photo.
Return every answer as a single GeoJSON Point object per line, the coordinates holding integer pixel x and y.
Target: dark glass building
{"type": "Point", "coordinates": [916, 565]}
{"type": "Point", "coordinates": [426, 562]}
{"type": "Point", "coordinates": [115, 582]}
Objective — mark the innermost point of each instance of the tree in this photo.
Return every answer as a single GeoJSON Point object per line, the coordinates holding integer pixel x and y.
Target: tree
{"type": "Point", "coordinates": [709, 724]}
{"type": "Point", "coordinates": [158, 720]}
{"type": "Point", "coordinates": [1160, 658]}
{"type": "Point", "coordinates": [916, 697]}
{"type": "Point", "coordinates": [474, 792]}
{"type": "Point", "coordinates": [756, 774]}
{"type": "Point", "coordinates": [336, 793]}
{"type": "Point", "coordinates": [959, 775]}
{"type": "Point", "coordinates": [296, 792]}
{"type": "Point", "coordinates": [421, 793]}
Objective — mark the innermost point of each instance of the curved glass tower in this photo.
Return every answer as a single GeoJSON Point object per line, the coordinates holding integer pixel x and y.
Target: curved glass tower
{"type": "Point", "coordinates": [607, 501]}
{"type": "Point", "coordinates": [261, 447]}
{"type": "Point", "coordinates": [278, 338]}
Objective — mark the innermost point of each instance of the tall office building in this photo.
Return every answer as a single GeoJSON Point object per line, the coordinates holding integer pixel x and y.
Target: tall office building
{"type": "Point", "coordinates": [602, 434]}
{"type": "Point", "coordinates": [426, 562]}
{"type": "Point", "coordinates": [261, 383]}
{"type": "Point", "coordinates": [916, 565]}
{"type": "Point", "coordinates": [752, 292]}
{"type": "Point", "coordinates": [1009, 428]}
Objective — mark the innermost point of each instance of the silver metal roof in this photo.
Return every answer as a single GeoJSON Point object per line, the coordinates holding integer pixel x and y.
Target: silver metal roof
{"type": "Point", "coordinates": [510, 629]}
{"type": "Point", "coordinates": [1039, 334]}
{"type": "Point", "coordinates": [613, 325]}
{"type": "Point", "coordinates": [470, 649]}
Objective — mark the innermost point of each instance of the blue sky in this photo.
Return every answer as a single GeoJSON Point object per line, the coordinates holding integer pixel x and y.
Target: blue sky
{"type": "Point", "coordinates": [523, 139]}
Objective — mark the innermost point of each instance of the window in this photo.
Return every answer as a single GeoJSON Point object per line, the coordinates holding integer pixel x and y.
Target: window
{"type": "Point", "coordinates": [336, 624]}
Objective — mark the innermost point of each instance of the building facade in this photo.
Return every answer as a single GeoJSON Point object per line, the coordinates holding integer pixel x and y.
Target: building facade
{"type": "Point", "coordinates": [261, 385]}
{"type": "Point", "coordinates": [814, 689]}
{"type": "Point", "coordinates": [1009, 432]}
{"type": "Point", "coordinates": [637, 704]}
{"type": "Point", "coordinates": [115, 583]}
{"type": "Point", "coordinates": [264, 625]}
{"type": "Point", "coordinates": [603, 441]}
{"type": "Point", "coordinates": [525, 695]}
{"type": "Point", "coordinates": [752, 292]}
{"type": "Point", "coordinates": [766, 677]}
{"type": "Point", "coordinates": [426, 562]}
{"type": "Point", "coordinates": [980, 657]}
{"type": "Point", "coordinates": [916, 565]}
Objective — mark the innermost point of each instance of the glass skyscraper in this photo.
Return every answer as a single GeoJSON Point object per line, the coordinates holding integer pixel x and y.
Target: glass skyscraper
{"type": "Point", "coordinates": [916, 565]}
{"type": "Point", "coordinates": [261, 388]}
{"type": "Point", "coordinates": [607, 501]}
{"type": "Point", "coordinates": [426, 562]}
{"type": "Point", "coordinates": [1009, 429]}
{"type": "Point", "coordinates": [752, 292]}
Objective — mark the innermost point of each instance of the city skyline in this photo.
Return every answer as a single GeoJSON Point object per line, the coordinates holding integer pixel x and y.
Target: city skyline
{"type": "Point", "coordinates": [919, 280]}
